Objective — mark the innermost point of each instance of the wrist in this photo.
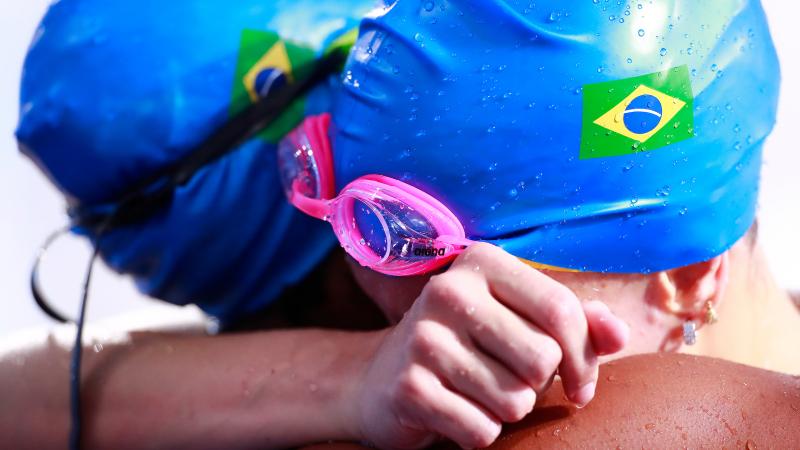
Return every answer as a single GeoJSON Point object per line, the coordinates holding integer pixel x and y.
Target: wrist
{"type": "Point", "coordinates": [350, 403]}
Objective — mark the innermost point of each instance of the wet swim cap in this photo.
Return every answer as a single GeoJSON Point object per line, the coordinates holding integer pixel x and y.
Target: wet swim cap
{"type": "Point", "coordinates": [115, 90]}
{"type": "Point", "coordinates": [600, 136]}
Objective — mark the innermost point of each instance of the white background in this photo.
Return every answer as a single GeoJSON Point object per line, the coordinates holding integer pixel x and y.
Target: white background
{"type": "Point", "coordinates": [30, 208]}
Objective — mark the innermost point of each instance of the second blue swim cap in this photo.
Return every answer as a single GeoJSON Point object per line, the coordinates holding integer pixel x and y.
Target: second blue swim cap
{"type": "Point", "coordinates": [599, 136]}
{"type": "Point", "coordinates": [116, 90]}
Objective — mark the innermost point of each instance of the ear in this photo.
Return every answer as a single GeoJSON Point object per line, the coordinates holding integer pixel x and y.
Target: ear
{"type": "Point", "coordinates": [686, 290]}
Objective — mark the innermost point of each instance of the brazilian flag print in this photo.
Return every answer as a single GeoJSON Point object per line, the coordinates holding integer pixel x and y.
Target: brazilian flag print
{"type": "Point", "coordinates": [637, 114]}
{"type": "Point", "coordinates": [266, 62]}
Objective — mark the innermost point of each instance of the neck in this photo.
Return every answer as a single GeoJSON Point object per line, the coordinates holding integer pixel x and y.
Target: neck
{"type": "Point", "coordinates": [759, 324]}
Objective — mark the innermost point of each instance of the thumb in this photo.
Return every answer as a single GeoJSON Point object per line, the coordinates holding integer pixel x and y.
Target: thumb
{"type": "Point", "coordinates": [609, 334]}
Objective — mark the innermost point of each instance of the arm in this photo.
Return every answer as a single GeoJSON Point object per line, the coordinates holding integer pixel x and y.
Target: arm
{"type": "Point", "coordinates": [162, 390]}
{"type": "Point", "coordinates": [460, 363]}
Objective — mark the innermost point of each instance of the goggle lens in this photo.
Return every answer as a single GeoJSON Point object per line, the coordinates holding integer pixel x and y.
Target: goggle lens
{"type": "Point", "coordinates": [298, 169]}
{"type": "Point", "coordinates": [386, 232]}
{"type": "Point", "coordinates": [372, 228]}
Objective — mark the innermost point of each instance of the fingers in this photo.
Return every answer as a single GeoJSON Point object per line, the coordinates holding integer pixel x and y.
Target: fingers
{"type": "Point", "coordinates": [549, 305]}
{"type": "Point", "coordinates": [476, 376]}
{"type": "Point", "coordinates": [429, 402]}
{"type": "Point", "coordinates": [463, 303]}
{"type": "Point", "coordinates": [521, 346]}
{"type": "Point", "coordinates": [609, 334]}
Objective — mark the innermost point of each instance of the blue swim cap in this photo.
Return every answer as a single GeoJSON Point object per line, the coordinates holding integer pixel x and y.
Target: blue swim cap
{"type": "Point", "coordinates": [597, 136]}
{"type": "Point", "coordinates": [114, 91]}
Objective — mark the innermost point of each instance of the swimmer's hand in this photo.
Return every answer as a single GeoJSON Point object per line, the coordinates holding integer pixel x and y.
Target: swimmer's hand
{"type": "Point", "coordinates": [478, 346]}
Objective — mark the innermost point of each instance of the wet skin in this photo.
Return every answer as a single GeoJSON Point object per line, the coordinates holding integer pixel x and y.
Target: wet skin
{"type": "Point", "coordinates": [664, 400]}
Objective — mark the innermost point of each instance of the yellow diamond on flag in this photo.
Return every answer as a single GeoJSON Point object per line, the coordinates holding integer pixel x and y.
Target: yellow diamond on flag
{"type": "Point", "coordinates": [641, 114]}
{"type": "Point", "coordinates": [276, 60]}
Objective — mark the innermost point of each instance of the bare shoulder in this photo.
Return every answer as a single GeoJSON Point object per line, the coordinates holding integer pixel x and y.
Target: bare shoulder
{"type": "Point", "coordinates": [665, 401]}
{"type": "Point", "coordinates": [669, 401]}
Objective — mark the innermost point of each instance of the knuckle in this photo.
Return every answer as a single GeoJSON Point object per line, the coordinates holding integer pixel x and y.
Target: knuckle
{"type": "Point", "coordinates": [485, 437]}
{"type": "Point", "coordinates": [483, 249]}
{"type": "Point", "coordinates": [550, 356]}
{"type": "Point", "coordinates": [547, 358]}
{"type": "Point", "coordinates": [440, 287]}
{"type": "Point", "coordinates": [423, 339]}
{"type": "Point", "coordinates": [516, 406]}
{"type": "Point", "coordinates": [563, 307]}
{"type": "Point", "coordinates": [408, 391]}
{"type": "Point", "coordinates": [479, 251]}
{"type": "Point", "coordinates": [446, 290]}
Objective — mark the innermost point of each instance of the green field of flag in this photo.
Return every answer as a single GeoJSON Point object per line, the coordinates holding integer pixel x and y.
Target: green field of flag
{"type": "Point", "coordinates": [258, 51]}
{"type": "Point", "coordinates": [637, 114]}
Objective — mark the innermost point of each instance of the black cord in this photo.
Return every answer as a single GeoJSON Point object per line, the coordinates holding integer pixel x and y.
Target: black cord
{"type": "Point", "coordinates": [77, 350]}
{"type": "Point", "coordinates": [75, 363]}
{"type": "Point", "coordinates": [36, 290]}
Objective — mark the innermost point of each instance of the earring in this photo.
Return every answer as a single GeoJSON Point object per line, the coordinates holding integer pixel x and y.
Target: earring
{"type": "Point", "coordinates": [690, 332]}
{"type": "Point", "coordinates": [711, 313]}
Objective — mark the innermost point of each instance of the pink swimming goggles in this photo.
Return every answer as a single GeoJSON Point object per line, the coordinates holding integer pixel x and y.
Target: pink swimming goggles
{"type": "Point", "coordinates": [383, 223]}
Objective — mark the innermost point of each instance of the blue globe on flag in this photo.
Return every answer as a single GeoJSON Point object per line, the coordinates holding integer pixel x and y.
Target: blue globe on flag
{"type": "Point", "coordinates": [267, 80]}
{"type": "Point", "coordinates": [643, 114]}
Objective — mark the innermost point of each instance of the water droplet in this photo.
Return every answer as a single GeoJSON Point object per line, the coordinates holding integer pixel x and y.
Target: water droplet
{"type": "Point", "coordinates": [428, 6]}
{"type": "Point", "coordinates": [630, 60]}
{"type": "Point", "coordinates": [641, 32]}
{"type": "Point", "coordinates": [362, 241]}
{"type": "Point", "coordinates": [663, 192]}
{"type": "Point", "coordinates": [650, 426]}
{"type": "Point", "coordinates": [663, 52]}
{"type": "Point", "coordinates": [419, 37]}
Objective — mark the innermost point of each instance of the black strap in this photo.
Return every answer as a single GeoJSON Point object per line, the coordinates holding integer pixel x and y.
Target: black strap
{"type": "Point", "coordinates": [156, 191]}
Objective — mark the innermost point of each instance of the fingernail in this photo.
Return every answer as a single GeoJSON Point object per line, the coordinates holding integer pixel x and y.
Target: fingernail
{"type": "Point", "coordinates": [585, 394]}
